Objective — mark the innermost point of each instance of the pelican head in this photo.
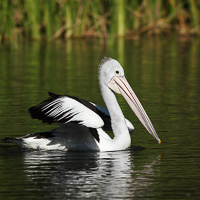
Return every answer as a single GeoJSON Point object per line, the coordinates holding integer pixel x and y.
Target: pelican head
{"type": "Point", "coordinates": [111, 74]}
{"type": "Point", "coordinates": [108, 69]}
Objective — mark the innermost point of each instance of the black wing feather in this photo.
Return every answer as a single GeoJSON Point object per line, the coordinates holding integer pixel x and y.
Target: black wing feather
{"type": "Point", "coordinates": [36, 111]}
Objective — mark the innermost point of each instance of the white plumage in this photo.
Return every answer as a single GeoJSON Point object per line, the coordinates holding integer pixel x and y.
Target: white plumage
{"type": "Point", "coordinates": [82, 123]}
{"type": "Point", "coordinates": [71, 110]}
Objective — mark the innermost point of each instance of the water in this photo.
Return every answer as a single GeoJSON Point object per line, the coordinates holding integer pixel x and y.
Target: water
{"type": "Point", "coordinates": [164, 73]}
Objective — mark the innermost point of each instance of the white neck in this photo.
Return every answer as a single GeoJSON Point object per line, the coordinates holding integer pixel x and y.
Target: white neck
{"type": "Point", "coordinates": [122, 138]}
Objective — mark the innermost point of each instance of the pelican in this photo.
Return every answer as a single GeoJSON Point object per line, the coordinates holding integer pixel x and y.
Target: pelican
{"type": "Point", "coordinates": [82, 123]}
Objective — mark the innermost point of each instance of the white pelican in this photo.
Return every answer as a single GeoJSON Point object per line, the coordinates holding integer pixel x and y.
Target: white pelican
{"type": "Point", "coordinates": [82, 123]}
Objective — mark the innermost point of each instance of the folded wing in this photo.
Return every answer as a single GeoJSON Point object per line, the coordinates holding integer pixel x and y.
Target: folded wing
{"type": "Point", "coordinates": [65, 109]}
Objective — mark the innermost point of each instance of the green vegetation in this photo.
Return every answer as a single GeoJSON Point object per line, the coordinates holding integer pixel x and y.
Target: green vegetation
{"type": "Point", "coordinates": [52, 19]}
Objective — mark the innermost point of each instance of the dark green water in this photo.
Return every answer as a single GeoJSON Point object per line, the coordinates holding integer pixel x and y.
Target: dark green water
{"type": "Point", "coordinates": [164, 73]}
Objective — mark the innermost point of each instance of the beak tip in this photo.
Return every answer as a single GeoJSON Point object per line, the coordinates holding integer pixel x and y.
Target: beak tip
{"type": "Point", "coordinates": [159, 141]}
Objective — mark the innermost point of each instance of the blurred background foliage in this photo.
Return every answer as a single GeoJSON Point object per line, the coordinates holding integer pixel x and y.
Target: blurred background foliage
{"type": "Point", "coordinates": [53, 19]}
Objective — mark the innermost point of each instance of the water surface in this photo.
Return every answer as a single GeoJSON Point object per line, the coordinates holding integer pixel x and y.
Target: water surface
{"type": "Point", "coordinates": [164, 73]}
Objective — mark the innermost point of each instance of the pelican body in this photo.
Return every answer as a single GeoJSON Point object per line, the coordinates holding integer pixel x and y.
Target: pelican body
{"type": "Point", "coordinates": [82, 123]}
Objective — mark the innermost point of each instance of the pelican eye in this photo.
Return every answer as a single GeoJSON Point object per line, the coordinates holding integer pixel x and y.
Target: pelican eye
{"type": "Point", "coordinates": [117, 72]}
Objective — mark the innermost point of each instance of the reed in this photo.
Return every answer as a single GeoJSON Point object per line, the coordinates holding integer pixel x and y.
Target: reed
{"type": "Point", "coordinates": [119, 18]}
{"type": "Point", "coordinates": [31, 16]}
{"type": "Point", "coordinates": [195, 15]}
{"type": "Point", "coordinates": [52, 19]}
{"type": "Point", "coordinates": [6, 22]}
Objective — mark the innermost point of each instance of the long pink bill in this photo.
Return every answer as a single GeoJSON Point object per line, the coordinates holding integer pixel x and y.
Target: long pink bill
{"type": "Point", "coordinates": [120, 85]}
